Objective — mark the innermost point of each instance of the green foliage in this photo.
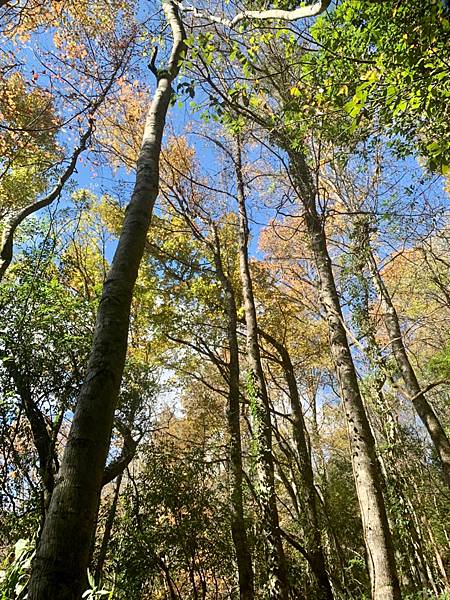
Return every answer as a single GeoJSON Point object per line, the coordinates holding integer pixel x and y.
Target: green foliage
{"type": "Point", "coordinates": [43, 322]}
{"type": "Point", "coordinates": [368, 68]}
{"type": "Point", "coordinates": [384, 64]}
{"type": "Point", "coordinates": [95, 591]}
{"type": "Point", "coordinates": [255, 410]}
{"type": "Point", "coordinates": [426, 595]}
{"type": "Point", "coordinates": [172, 513]}
{"type": "Point", "coordinates": [15, 571]}
{"type": "Point", "coordinates": [45, 335]}
{"type": "Point", "coordinates": [439, 364]}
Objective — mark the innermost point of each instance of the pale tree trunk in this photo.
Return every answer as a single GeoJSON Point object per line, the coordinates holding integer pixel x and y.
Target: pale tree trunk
{"type": "Point", "coordinates": [368, 478]}
{"type": "Point", "coordinates": [313, 541]}
{"type": "Point", "coordinates": [62, 556]}
{"type": "Point", "coordinates": [238, 527]}
{"type": "Point", "coordinates": [412, 387]}
{"type": "Point", "coordinates": [278, 588]}
{"type": "Point", "coordinates": [437, 555]}
{"type": "Point", "coordinates": [410, 550]}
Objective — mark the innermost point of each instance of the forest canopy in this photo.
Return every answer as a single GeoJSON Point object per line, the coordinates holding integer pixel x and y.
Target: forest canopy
{"type": "Point", "coordinates": [224, 300]}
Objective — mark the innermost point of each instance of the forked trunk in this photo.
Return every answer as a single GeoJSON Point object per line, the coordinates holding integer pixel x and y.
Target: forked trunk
{"type": "Point", "coordinates": [59, 569]}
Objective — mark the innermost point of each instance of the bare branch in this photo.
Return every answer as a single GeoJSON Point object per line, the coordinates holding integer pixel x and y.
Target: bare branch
{"type": "Point", "coordinates": [302, 12]}
{"type": "Point", "coordinates": [6, 243]}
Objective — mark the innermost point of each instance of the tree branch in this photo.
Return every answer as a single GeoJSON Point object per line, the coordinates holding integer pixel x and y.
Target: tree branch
{"type": "Point", "coordinates": [117, 466]}
{"type": "Point", "coordinates": [6, 245]}
{"type": "Point", "coordinates": [302, 12]}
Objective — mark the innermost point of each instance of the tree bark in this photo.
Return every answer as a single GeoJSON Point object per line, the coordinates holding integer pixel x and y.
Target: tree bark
{"type": "Point", "coordinates": [413, 389]}
{"type": "Point", "coordinates": [278, 588]}
{"type": "Point", "coordinates": [313, 543]}
{"type": "Point", "coordinates": [378, 541]}
{"type": "Point", "coordinates": [43, 442]}
{"type": "Point", "coordinates": [409, 551]}
{"type": "Point", "coordinates": [61, 561]}
{"type": "Point", "coordinates": [238, 527]}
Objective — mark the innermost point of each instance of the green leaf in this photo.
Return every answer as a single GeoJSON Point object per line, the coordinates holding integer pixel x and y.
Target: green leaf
{"type": "Point", "coordinates": [21, 547]}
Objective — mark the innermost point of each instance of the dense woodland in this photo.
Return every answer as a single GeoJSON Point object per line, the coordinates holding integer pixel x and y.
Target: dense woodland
{"type": "Point", "coordinates": [224, 300]}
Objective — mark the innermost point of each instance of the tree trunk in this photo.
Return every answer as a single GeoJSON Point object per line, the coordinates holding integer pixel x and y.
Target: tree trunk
{"type": "Point", "coordinates": [380, 552]}
{"type": "Point", "coordinates": [59, 568]}
{"type": "Point", "coordinates": [278, 588]}
{"type": "Point", "coordinates": [408, 551]}
{"type": "Point", "coordinates": [108, 530]}
{"type": "Point", "coordinates": [42, 437]}
{"type": "Point", "coordinates": [238, 527]}
{"type": "Point", "coordinates": [313, 543]}
{"type": "Point", "coordinates": [413, 389]}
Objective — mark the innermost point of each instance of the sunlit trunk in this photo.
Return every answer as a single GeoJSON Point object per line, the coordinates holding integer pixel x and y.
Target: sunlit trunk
{"type": "Point", "coordinates": [412, 386]}
{"type": "Point", "coordinates": [238, 527]}
{"type": "Point", "coordinates": [62, 556]}
{"type": "Point", "coordinates": [366, 470]}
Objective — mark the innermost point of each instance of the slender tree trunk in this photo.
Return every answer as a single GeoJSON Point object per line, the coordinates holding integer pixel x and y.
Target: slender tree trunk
{"type": "Point", "coordinates": [313, 538]}
{"type": "Point", "coordinates": [409, 551]}
{"type": "Point", "coordinates": [278, 588]}
{"type": "Point", "coordinates": [437, 555]}
{"type": "Point", "coordinates": [42, 438]}
{"type": "Point", "coordinates": [238, 527]}
{"type": "Point", "coordinates": [413, 389]}
{"type": "Point", "coordinates": [378, 541]}
{"type": "Point", "coordinates": [107, 531]}
{"type": "Point", "coordinates": [62, 556]}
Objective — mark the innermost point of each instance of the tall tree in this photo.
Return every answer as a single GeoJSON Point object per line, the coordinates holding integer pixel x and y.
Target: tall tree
{"type": "Point", "coordinates": [62, 556]}
{"type": "Point", "coordinates": [278, 587]}
{"type": "Point", "coordinates": [368, 478]}
{"type": "Point", "coordinates": [313, 541]}
{"type": "Point", "coordinates": [238, 525]}
{"type": "Point", "coordinates": [412, 386]}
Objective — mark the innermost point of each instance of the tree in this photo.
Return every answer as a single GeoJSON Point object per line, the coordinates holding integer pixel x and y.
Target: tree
{"type": "Point", "coordinates": [258, 397]}
{"type": "Point", "coordinates": [60, 563]}
{"type": "Point", "coordinates": [242, 427]}
{"type": "Point", "coordinates": [368, 477]}
{"type": "Point", "coordinates": [33, 160]}
{"type": "Point", "coordinates": [238, 526]}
